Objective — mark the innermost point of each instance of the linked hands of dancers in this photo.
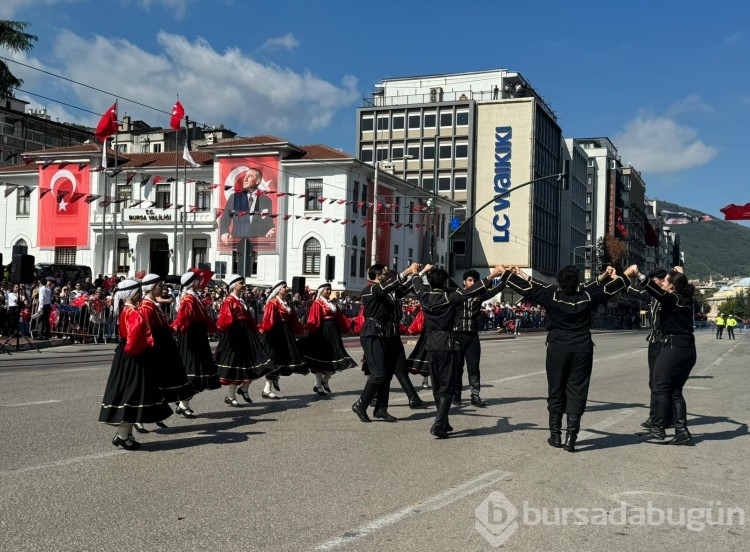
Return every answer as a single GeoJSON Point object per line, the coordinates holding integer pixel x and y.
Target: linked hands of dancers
{"type": "Point", "coordinates": [413, 268]}
{"type": "Point", "coordinates": [631, 271]}
{"type": "Point", "coordinates": [609, 272]}
{"type": "Point", "coordinates": [424, 270]}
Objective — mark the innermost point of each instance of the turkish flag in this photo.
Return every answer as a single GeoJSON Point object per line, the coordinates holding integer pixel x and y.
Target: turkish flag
{"type": "Point", "coordinates": [178, 112]}
{"type": "Point", "coordinates": [108, 124]}
{"type": "Point", "coordinates": [736, 212]}
{"type": "Point", "coordinates": [63, 222]}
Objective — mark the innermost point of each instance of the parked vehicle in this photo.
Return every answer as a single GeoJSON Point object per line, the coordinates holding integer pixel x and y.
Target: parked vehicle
{"type": "Point", "coordinates": [63, 272]}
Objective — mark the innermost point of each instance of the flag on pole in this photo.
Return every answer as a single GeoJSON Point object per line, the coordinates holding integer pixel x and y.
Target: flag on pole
{"type": "Point", "coordinates": [189, 158]}
{"type": "Point", "coordinates": [107, 125]}
{"type": "Point", "coordinates": [178, 112]}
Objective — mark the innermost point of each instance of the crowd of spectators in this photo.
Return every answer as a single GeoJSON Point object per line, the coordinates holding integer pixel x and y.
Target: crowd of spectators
{"type": "Point", "coordinates": [82, 311]}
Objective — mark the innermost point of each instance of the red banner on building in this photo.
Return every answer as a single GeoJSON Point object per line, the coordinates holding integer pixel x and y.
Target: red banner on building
{"type": "Point", "coordinates": [63, 222]}
{"type": "Point", "coordinates": [244, 203]}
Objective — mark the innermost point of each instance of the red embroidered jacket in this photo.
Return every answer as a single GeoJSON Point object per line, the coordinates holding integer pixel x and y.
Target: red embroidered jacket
{"type": "Point", "coordinates": [276, 313]}
{"type": "Point", "coordinates": [232, 309]}
{"type": "Point", "coordinates": [134, 330]}
{"type": "Point", "coordinates": [320, 311]}
{"type": "Point", "coordinates": [192, 310]}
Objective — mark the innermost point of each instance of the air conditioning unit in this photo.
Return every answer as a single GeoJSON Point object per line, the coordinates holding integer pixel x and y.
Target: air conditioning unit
{"type": "Point", "coordinates": [436, 94]}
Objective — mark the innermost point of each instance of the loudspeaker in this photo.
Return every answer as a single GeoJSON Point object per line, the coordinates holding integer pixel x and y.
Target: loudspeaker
{"type": "Point", "coordinates": [330, 268]}
{"type": "Point", "coordinates": [22, 269]}
{"type": "Point", "coordinates": [298, 285]}
{"type": "Point", "coordinates": [245, 257]}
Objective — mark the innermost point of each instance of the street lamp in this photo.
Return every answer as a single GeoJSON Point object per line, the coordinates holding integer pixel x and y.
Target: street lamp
{"type": "Point", "coordinates": [373, 246]}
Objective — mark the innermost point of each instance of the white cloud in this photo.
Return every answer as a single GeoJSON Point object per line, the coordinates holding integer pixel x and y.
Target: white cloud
{"type": "Point", "coordinates": [734, 37]}
{"type": "Point", "coordinates": [10, 8]}
{"type": "Point", "coordinates": [230, 88]}
{"type": "Point", "coordinates": [691, 104]}
{"type": "Point", "coordinates": [286, 42]}
{"type": "Point", "coordinates": [659, 144]}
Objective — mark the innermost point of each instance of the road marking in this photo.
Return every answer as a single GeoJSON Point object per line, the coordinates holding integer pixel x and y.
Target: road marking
{"type": "Point", "coordinates": [695, 387]}
{"type": "Point", "coordinates": [609, 422]}
{"type": "Point", "coordinates": [80, 369]}
{"type": "Point", "coordinates": [519, 376]}
{"type": "Point", "coordinates": [65, 462]}
{"type": "Point", "coordinates": [716, 362]}
{"type": "Point", "coordinates": [31, 403]}
{"type": "Point", "coordinates": [436, 502]}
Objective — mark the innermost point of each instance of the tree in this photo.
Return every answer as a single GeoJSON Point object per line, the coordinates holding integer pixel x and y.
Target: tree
{"type": "Point", "coordinates": [13, 38]}
{"type": "Point", "coordinates": [739, 305]}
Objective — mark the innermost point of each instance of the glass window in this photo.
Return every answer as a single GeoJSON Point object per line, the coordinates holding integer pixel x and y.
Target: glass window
{"type": "Point", "coordinates": [311, 257]}
{"type": "Point", "coordinates": [446, 119]}
{"type": "Point", "coordinates": [459, 247]}
{"type": "Point", "coordinates": [444, 183]}
{"type": "Point", "coordinates": [414, 121]}
{"type": "Point", "coordinates": [157, 148]}
{"type": "Point", "coordinates": [364, 199]}
{"type": "Point", "coordinates": [462, 151]}
{"type": "Point", "coordinates": [430, 120]}
{"type": "Point", "coordinates": [428, 152]}
{"type": "Point", "coordinates": [397, 211]}
{"type": "Point", "coordinates": [459, 183]}
{"type": "Point", "coordinates": [445, 151]}
{"type": "Point", "coordinates": [362, 258]}
{"type": "Point", "coordinates": [413, 150]}
{"type": "Point", "coordinates": [382, 122]}
{"type": "Point", "coordinates": [367, 124]}
{"type": "Point", "coordinates": [588, 198]}
{"type": "Point", "coordinates": [163, 194]}
{"type": "Point", "coordinates": [398, 122]}
{"type": "Point", "coordinates": [411, 212]}
{"type": "Point", "coordinates": [353, 259]}
{"type": "Point", "coordinates": [382, 153]}
{"type": "Point", "coordinates": [314, 192]}
{"type": "Point", "coordinates": [413, 180]}
{"type": "Point", "coordinates": [200, 253]}
{"type": "Point", "coordinates": [65, 255]}
{"type": "Point", "coordinates": [203, 196]}
{"type": "Point", "coordinates": [355, 197]}
{"type": "Point", "coordinates": [124, 192]}
{"type": "Point", "coordinates": [397, 152]}
{"type": "Point", "coordinates": [366, 154]}
{"type": "Point", "coordinates": [23, 202]}
{"type": "Point", "coordinates": [220, 267]}
{"type": "Point", "coordinates": [462, 118]}
{"type": "Point", "coordinates": [123, 255]}
{"type": "Point", "coordinates": [428, 183]}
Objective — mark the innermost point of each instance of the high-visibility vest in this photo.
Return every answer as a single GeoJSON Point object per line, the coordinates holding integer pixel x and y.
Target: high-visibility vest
{"type": "Point", "coordinates": [720, 321]}
{"type": "Point", "coordinates": [731, 322]}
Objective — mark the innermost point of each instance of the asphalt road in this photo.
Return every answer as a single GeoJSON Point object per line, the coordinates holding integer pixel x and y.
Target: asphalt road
{"type": "Point", "coordinates": [303, 473]}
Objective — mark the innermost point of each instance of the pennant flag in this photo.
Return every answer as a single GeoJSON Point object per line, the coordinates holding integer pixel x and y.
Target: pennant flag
{"type": "Point", "coordinates": [166, 206]}
{"type": "Point", "coordinates": [76, 197]}
{"type": "Point", "coordinates": [399, 224]}
{"type": "Point", "coordinates": [128, 177]}
{"type": "Point", "coordinates": [228, 187]}
{"type": "Point", "coordinates": [189, 158]}
{"type": "Point", "coordinates": [287, 217]}
{"type": "Point", "coordinates": [140, 275]}
{"type": "Point", "coordinates": [113, 172]}
{"type": "Point", "coordinates": [736, 212]}
{"type": "Point", "coordinates": [104, 203]}
{"type": "Point", "coordinates": [28, 160]}
{"type": "Point", "coordinates": [43, 192]}
{"type": "Point", "coordinates": [98, 169]}
{"type": "Point", "coordinates": [365, 223]}
{"type": "Point", "coordinates": [92, 197]}
{"type": "Point", "coordinates": [144, 179]}
{"type": "Point", "coordinates": [178, 112]}
{"type": "Point", "coordinates": [152, 205]}
{"type": "Point", "coordinates": [326, 221]}
{"type": "Point", "coordinates": [47, 163]}
{"type": "Point", "coordinates": [194, 208]}
{"type": "Point", "coordinates": [341, 201]}
{"type": "Point", "coordinates": [61, 195]}
{"type": "Point", "coordinates": [157, 179]}
{"type": "Point", "coordinates": [27, 191]}
{"type": "Point", "coordinates": [82, 166]}
{"type": "Point", "coordinates": [380, 207]}
{"type": "Point", "coordinates": [331, 201]}
{"type": "Point", "coordinates": [171, 179]}
{"type": "Point", "coordinates": [360, 204]}
{"type": "Point", "coordinates": [9, 157]}
{"type": "Point", "coordinates": [136, 203]}
{"type": "Point", "coordinates": [107, 125]}
{"type": "Point", "coordinates": [10, 188]}
{"type": "Point", "coordinates": [178, 206]}
{"type": "Point", "coordinates": [218, 212]}
{"type": "Point", "coordinates": [281, 194]}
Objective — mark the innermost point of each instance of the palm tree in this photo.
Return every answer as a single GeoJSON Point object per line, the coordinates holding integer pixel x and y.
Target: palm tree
{"type": "Point", "coordinates": [13, 38]}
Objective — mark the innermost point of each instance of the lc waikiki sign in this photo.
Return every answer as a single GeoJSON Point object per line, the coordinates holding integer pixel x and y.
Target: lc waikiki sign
{"type": "Point", "coordinates": [502, 182]}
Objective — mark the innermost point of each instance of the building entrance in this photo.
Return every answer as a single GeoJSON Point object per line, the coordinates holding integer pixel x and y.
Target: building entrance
{"type": "Point", "coordinates": [159, 257]}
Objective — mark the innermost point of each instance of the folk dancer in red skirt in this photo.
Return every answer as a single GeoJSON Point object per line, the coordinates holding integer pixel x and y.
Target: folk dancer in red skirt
{"type": "Point", "coordinates": [133, 393]}
{"type": "Point", "coordinates": [323, 349]}
{"type": "Point", "coordinates": [192, 325]}
{"type": "Point", "coordinates": [240, 355]}
{"type": "Point", "coordinates": [279, 326]}
{"type": "Point", "coordinates": [175, 385]}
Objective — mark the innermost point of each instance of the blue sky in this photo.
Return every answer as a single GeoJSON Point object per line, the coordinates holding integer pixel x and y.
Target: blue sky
{"type": "Point", "coordinates": [666, 81]}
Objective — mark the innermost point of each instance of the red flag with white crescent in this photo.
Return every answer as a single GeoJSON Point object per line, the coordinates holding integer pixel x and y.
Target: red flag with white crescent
{"type": "Point", "coordinates": [63, 222]}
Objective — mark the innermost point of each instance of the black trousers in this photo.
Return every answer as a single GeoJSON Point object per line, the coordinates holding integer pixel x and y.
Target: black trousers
{"type": "Point", "coordinates": [719, 331]}
{"type": "Point", "coordinates": [443, 372]}
{"type": "Point", "coordinates": [383, 354]}
{"type": "Point", "coordinates": [730, 332]}
{"type": "Point", "coordinates": [671, 371]}
{"type": "Point", "coordinates": [568, 377]}
{"type": "Point", "coordinates": [470, 351]}
{"type": "Point", "coordinates": [45, 331]}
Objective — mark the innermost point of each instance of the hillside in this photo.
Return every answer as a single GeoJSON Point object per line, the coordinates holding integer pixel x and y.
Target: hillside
{"type": "Point", "coordinates": [716, 247]}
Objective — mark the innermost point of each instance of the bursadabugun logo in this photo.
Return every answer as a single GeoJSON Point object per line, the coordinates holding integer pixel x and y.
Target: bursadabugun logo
{"type": "Point", "coordinates": [496, 518]}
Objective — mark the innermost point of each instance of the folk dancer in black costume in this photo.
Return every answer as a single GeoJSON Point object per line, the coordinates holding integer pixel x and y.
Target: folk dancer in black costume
{"type": "Point", "coordinates": [653, 338]}
{"type": "Point", "coordinates": [677, 356]}
{"type": "Point", "coordinates": [466, 331]}
{"type": "Point", "coordinates": [570, 350]}
{"type": "Point", "coordinates": [439, 307]}
{"type": "Point", "coordinates": [380, 337]}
